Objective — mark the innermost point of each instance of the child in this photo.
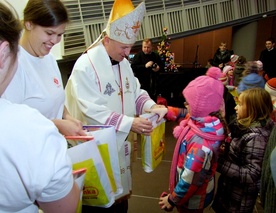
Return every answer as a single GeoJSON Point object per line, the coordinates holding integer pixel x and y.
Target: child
{"type": "Point", "coordinates": [241, 167]}
{"type": "Point", "coordinates": [250, 78]}
{"type": "Point", "coordinates": [209, 63]}
{"type": "Point", "coordinates": [198, 141]}
{"type": "Point", "coordinates": [239, 68]}
{"type": "Point", "coordinates": [260, 68]}
{"type": "Point", "coordinates": [233, 60]}
{"type": "Point", "coordinates": [270, 87]}
{"type": "Point", "coordinates": [229, 72]}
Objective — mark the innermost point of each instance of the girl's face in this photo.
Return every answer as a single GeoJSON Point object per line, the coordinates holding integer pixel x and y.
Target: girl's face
{"type": "Point", "coordinates": [240, 108]}
{"type": "Point", "coordinates": [42, 39]}
{"type": "Point", "coordinates": [230, 73]}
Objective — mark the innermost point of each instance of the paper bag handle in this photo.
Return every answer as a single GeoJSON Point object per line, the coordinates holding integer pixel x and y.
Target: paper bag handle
{"type": "Point", "coordinates": [87, 137]}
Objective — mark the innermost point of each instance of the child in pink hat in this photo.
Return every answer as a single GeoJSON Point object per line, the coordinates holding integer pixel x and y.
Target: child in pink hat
{"type": "Point", "coordinates": [198, 141]}
{"type": "Point", "coordinates": [229, 72]}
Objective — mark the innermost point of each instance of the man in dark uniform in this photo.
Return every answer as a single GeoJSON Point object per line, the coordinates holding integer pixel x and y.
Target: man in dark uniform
{"type": "Point", "coordinates": [268, 57]}
{"type": "Point", "coordinates": [145, 65]}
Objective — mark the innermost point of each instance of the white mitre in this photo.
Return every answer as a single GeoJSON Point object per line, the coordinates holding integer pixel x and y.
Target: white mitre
{"type": "Point", "coordinates": [124, 22]}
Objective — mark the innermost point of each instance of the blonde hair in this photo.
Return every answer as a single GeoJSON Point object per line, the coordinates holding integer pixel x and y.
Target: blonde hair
{"type": "Point", "coordinates": [258, 106]}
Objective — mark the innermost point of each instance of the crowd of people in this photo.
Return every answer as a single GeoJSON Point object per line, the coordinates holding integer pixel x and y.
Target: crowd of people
{"type": "Point", "coordinates": [227, 124]}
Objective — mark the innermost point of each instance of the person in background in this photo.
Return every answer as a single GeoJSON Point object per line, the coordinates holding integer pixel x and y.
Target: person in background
{"type": "Point", "coordinates": [102, 89]}
{"type": "Point", "coordinates": [145, 65]}
{"type": "Point", "coordinates": [238, 70]}
{"type": "Point", "coordinates": [233, 60]}
{"type": "Point", "coordinates": [251, 78]}
{"type": "Point", "coordinates": [229, 72]}
{"type": "Point", "coordinates": [222, 56]}
{"type": "Point", "coordinates": [268, 57]}
{"type": "Point", "coordinates": [229, 101]}
{"type": "Point", "coordinates": [198, 141]}
{"type": "Point", "coordinates": [240, 167]}
{"type": "Point", "coordinates": [37, 82]}
{"type": "Point", "coordinates": [268, 186]}
{"type": "Point", "coordinates": [260, 68]}
{"type": "Point", "coordinates": [209, 63]}
{"type": "Point", "coordinates": [270, 87]}
{"type": "Point", "coordinates": [30, 144]}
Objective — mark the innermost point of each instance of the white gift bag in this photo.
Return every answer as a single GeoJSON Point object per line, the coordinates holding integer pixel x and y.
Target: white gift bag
{"type": "Point", "coordinates": [97, 188]}
{"type": "Point", "coordinates": [105, 138]}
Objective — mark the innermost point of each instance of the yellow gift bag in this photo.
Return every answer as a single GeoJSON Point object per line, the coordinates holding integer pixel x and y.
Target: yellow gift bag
{"type": "Point", "coordinates": [153, 146]}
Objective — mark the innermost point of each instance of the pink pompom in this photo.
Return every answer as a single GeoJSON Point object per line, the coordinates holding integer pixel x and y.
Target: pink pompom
{"type": "Point", "coordinates": [214, 72]}
{"type": "Point", "coordinates": [177, 131]}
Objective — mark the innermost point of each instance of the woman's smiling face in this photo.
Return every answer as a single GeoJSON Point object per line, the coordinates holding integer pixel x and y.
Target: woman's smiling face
{"type": "Point", "coordinates": [42, 39]}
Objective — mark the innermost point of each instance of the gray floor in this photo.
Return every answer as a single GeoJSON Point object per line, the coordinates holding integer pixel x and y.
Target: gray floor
{"type": "Point", "coordinates": [147, 187]}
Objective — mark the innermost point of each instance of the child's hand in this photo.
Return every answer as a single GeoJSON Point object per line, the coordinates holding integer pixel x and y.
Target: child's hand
{"type": "Point", "coordinates": [164, 203]}
{"type": "Point", "coordinates": [161, 111]}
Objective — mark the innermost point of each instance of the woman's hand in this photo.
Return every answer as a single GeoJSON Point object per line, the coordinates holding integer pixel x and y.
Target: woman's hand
{"type": "Point", "coordinates": [69, 127]}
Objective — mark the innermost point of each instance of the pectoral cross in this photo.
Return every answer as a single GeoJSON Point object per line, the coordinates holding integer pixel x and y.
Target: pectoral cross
{"type": "Point", "coordinates": [120, 91]}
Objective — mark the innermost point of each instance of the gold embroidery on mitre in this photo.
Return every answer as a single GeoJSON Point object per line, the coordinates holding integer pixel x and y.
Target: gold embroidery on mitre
{"type": "Point", "coordinates": [128, 31]}
{"type": "Point", "coordinates": [125, 28]}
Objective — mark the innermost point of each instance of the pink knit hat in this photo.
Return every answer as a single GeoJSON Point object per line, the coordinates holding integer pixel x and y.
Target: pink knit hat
{"type": "Point", "coordinates": [227, 68]}
{"type": "Point", "coordinates": [205, 93]}
{"type": "Point", "coordinates": [214, 72]}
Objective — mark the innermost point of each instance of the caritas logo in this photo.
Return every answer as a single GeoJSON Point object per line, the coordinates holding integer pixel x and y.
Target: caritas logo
{"type": "Point", "coordinates": [90, 192]}
{"type": "Point", "coordinates": [56, 82]}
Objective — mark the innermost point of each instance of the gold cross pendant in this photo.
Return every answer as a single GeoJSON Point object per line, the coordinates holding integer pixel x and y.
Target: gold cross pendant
{"type": "Point", "coordinates": [120, 92]}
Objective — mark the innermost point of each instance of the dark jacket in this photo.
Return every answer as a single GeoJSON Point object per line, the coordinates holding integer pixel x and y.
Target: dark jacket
{"type": "Point", "coordinates": [269, 62]}
{"type": "Point", "coordinates": [268, 188]}
{"type": "Point", "coordinates": [222, 57]}
{"type": "Point", "coordinates": [238, 73]}
{"type": "Point", "coordinates": [241, 168]}
{"type": "Point", "coordinates": [146, 76]}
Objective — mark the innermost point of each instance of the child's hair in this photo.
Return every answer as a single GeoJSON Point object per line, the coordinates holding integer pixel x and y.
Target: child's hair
{"type": "Point", "coordinates": [251, 67]}
{"type": "Point", "coordinates": [251, 77]}
{"type": "Point", "coordinates": [241, 60]}
{"type": "Point", "coordinates": [258, 106]}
